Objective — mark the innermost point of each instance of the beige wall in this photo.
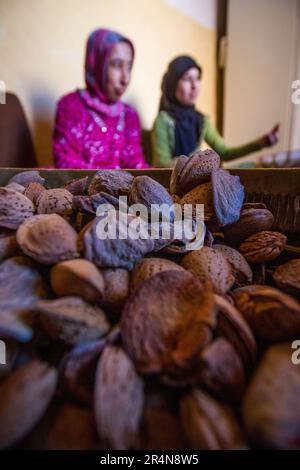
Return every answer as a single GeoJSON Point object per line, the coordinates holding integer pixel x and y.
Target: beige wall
{"type": "Point", "coordinates": [260, 69]}
{"type": "Point", "coordinates": [42, 48]}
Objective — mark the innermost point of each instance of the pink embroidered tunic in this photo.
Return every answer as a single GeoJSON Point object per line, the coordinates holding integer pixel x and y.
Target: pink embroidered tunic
{"type": "Point", "coordinates": [83, 138]}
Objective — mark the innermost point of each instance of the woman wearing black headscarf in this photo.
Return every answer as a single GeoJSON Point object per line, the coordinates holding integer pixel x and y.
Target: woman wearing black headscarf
{"type": "Point", "coordinates": [179, 128]}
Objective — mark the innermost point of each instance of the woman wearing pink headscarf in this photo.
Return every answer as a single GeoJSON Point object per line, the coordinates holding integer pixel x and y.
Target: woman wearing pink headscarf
{"type": "Point", "coordinates": [94, 128]}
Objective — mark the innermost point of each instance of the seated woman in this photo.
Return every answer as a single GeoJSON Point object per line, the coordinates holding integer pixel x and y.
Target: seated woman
{"type": "Point", "coordinates": [179, 128]}
{"type": "Point", "coordinates": [94, 128]}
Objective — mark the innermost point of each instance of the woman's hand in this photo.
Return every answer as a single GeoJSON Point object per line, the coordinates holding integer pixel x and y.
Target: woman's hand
{"type": "Point", "coordinates": [271, 138]}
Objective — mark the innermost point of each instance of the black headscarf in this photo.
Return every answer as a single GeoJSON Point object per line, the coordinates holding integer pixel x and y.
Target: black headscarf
{"type": "Point", "coordinates": [189, 122]}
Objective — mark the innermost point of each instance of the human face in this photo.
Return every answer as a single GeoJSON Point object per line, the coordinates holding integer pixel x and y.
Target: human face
{"type": "Point", "coordinates": [119, 71]}
{"type": "Point", "coordinates": [188, 87]}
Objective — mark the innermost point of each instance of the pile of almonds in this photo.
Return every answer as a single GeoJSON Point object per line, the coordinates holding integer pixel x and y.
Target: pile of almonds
{"type": "Point", "coordinates": [142, 344]}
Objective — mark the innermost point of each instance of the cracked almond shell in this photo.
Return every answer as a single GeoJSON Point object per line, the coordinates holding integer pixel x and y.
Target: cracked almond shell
{"type": "Point", "coordinates": [113, 252]}
{"type": "Point", "coordinates": [228, 195]}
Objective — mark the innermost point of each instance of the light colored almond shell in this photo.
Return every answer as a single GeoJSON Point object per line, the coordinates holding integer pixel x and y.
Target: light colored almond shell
{"type": "Point", "coordinates": [148, 267]}
{"type": "Point", "coordinates": [15, 208]}
{"type": "Point", "coordinates": [118, 400]}
{"type": "Point", "coordinates": [55, 201]}
{"type": "Point", "coordinates": [77, 277]}
{"type": "Point", "coordinates": [24, 398]}
{"type": "Point", "coordinates": [209, 265]}
{"type": "Point", "coordinates": [48, 239]}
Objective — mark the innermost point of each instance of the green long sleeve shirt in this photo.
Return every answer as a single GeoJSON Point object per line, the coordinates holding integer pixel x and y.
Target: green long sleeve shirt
{"type": "Point", "coordinates": [163, 141]}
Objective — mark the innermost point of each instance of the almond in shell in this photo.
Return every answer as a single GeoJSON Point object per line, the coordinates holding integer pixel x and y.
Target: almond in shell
{"type": "Point", "coordinates": [210, 265]}
{"type": "Point", "coordinates": [77, 277]}
{"type": "Point", "coordinates": [15, 208]}
{"type": "Point", "coordinates": [174, 316]}
{"type": "Point", "coordinates": [48, 239]}
{"type": "Point", "coordinates": [271, 409]}
{"type": "Point", "coordinates": [118, 400]}
{"type": "Point", "coordinates": [148, 267]}
{"type": "Point", "coordinates": [208, 424]}
{"type": "Point", "coordinates": [263, 246]}
{"type": "Point", "coordinates": [272, 315]}
{"type": "Point", "coordinates": [24, 398]}
{"type": "Point", "coordinates": [71, 320]}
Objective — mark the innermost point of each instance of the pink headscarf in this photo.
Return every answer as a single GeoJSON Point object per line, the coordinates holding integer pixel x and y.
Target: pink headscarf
{"type": "Point", "coordinates": [99, 48]}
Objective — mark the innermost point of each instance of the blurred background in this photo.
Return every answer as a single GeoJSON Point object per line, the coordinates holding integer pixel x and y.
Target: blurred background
{"type": "Point", "coordinates": [249, 52]}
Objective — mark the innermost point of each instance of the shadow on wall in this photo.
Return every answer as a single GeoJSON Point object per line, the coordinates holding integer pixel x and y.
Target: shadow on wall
{"type": "Point", "coordinates": [43, 105]}
{"type": "Point", "coordinates": [16, 146]}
